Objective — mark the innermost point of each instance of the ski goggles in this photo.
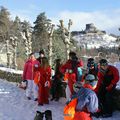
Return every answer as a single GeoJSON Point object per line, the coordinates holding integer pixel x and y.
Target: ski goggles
{"type": "Point", "coordinates": [103, 64]}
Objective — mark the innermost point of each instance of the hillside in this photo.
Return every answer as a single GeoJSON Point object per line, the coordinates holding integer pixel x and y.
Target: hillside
{"type": "Point", "coordinates": [92, 37]}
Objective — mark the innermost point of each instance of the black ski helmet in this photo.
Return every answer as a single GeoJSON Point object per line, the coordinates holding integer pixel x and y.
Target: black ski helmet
{"type": "Point", "coordinates": [103, 62]}
{"type": "Point", "coordinates": [90, 62]}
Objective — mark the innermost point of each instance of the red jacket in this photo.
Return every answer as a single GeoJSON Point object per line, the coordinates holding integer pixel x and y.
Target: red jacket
{"type": "Point", "coordinates": [110, 77]}
{"type": "Point", "coordinates": [43, 92]}
{"type": "Point", "coordinates": [71, 81]}
{"type": "Point", "coordinates": [45, 75]}
{"type": "Point", "coordinates": [28, 72]}
{"type": "Point", "coordinates": [68, 65]}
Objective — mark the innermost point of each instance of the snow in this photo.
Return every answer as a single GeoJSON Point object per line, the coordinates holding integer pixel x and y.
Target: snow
{"type": "Point", "coordinates": [15, 106]}
{"type": "Point", "coordinates": [11, 70]}
{"type": "Point", "coordinates": [96, 41]}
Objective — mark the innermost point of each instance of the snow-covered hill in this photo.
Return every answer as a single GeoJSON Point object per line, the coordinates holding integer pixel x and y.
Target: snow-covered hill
{"type": "Point", "coordinates": [92, 37]}
{"type": "Point", "coordinates": [15, 106]}
{"type": "Point", "coordinates": [93, 40]}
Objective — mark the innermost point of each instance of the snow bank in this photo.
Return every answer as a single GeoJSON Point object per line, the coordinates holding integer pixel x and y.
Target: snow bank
{"type": "Point", "coordinates": [11, 70]}
{"type": "Point", "coordinates": [15, 106]}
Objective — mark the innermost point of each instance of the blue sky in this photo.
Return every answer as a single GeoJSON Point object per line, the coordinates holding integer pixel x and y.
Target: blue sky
{"type": "Point", "coordinates": [105, 14]}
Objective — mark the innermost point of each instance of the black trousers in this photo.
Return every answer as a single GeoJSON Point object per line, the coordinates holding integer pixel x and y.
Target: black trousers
{"type": "Point", "coordinates": [105, 101]}
{"type": "Point", "coordinates": [56, 89]}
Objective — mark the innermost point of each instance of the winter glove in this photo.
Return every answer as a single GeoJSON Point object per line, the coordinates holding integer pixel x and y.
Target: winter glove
{"type": "Point", "coordinates": [109, 88]}
{"type": "Point", "coordinates": [47, 84]}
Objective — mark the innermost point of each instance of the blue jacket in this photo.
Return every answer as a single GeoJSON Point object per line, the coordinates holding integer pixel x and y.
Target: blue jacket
{"type": "Point", "coordinates": [79, 74]}
{"type": "Point", "coordinates": [87, 99]}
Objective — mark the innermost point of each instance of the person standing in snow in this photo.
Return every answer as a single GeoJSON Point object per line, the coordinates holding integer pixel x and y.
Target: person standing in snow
{"type": "Point", "coordinates": [70, 69]}
{"type": "Point", "coordinates": [108, 76]}
{"type": "Point", "coordinates": [92, 67]}
{"type": "Point", "coordinates": [57, 82]}
{"type": "Point", "coordinates": [44, 81]}
{"type": "Point", "coordinates": [28, 74]}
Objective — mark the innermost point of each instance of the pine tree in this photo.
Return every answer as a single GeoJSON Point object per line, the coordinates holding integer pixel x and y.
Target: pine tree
{"type": "Point", "coordinates": [4, 23]}
{"type": "Point", "coordinates": [40, 32]}
{"type": "Point", "coordinates": [58, 46]}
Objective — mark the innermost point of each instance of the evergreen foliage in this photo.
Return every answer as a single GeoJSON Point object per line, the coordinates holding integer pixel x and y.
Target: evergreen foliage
{"type": "Point", "coordinates": [4, 23]}
{"type": "Point", "coordinates": [40, 32]}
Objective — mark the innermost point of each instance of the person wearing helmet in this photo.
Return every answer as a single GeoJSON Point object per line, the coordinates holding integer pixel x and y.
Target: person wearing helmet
{"type": "Point", "coordinates": [92, 67]}
{"type": "Point", "coordinates": [72, 64]}
{"type": "Point", "coordinates": [71, 69]}
{"type": "Point", "coordinates": [108, 76]}
{"type": "Point", "coordinates": [87, 101]}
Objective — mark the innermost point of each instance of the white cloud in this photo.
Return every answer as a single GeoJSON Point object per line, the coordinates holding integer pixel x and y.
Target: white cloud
{"type": "Point", "coordinates": [23, 15]}
{"type": "Point", "coordinates": [103, 20]}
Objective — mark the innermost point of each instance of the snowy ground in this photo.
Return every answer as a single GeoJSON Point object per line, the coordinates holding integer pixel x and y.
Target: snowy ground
{"type": "Point", "coordinates": [15, 106]}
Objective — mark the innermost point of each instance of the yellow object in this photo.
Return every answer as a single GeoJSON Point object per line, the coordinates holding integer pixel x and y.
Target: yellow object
{"type": "Point", "coordinates": [66, 77]}
{"type": "Point", "coordinates": [69, 110]}
{"type": "Point", "coordinates": [37, 77]}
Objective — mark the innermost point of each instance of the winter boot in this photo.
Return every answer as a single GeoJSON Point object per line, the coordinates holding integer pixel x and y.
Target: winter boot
{"type": "Point", "coordinates": [48, 115]}
{"type": "Point", "coordinates": [39, 115]}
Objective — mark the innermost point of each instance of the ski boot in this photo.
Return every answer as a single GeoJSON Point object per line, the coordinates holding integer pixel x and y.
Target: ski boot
{"type": "Point", "coordinates": [48, 115]}
{"type": "Point", "coordinates": [39, 115]}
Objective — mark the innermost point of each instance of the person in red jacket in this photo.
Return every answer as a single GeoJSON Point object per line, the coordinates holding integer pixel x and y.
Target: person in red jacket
{"type": "Point", "coordinates": [71, 69]}
{"type": "Point", "coordinates": [44, 83]}
{"type": "Point", "coordinates": [72, 64]}
{"type": "Point", "coordinates": [108, 76]}
{"type": "Point", "coordinates": [28, 74]}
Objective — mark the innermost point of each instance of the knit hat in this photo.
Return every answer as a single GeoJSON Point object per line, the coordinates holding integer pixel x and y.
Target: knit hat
{"type": "Point", "coordinates": [41, 52]}
{"type": "Point", "coordinates": [90, 77]}
{"type": "Point", "coordinates": [71, 54]}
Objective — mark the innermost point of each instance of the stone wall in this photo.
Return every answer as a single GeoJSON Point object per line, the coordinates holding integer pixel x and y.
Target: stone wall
{"type": "Point", "coordinates": [10, 76]}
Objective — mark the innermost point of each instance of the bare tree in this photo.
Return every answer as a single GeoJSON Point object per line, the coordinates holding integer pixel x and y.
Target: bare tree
{"type": "Point", "coordinates": [14, 49]}
{"type": "Point", "coordinates": [50, 30]}
{"type": "Point", "coordinates": [66, 34]}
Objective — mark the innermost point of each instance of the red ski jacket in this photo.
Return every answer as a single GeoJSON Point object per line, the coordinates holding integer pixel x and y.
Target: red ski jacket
{"type": "Point", "coordinates": [111, 77]}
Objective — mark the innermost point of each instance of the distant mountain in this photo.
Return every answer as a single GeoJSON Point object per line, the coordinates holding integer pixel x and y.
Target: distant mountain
{"type": "Point", "coordinates": [92, 37]}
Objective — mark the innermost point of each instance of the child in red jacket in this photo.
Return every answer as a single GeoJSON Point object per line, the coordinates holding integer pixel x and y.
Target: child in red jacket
{"type": "Point", "coordinates": [44, 82]}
